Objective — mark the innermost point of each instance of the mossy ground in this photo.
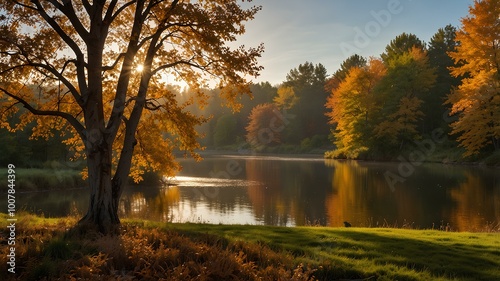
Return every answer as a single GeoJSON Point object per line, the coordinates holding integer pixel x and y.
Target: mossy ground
{"type": "Point", "coordinates": [52, 249]}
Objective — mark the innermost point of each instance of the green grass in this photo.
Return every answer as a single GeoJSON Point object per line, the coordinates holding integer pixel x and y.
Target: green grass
{"type": "Point", "coordinates": [388, 254]}
{"type": "Point", "coordinates": [43, 179]}
{"type": "Point", "coordinates": [146, 250]}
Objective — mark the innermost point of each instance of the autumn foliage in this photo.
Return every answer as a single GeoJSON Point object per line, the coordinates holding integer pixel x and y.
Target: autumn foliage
{"type": "Point", "coordinates": [265, 126]}
{"type": "Point", "coordinates": [379, 104]}
{"type": "Point", "coordinates": [50, 252]}
{"type": "Point", "coordinates": [97, 71]}
{"type": "Point", "coordinates": [352, 106]}
{"type": "Point", "coordinates": [476, 101]}
{"type": "Point", "coordinates": [417, 86]}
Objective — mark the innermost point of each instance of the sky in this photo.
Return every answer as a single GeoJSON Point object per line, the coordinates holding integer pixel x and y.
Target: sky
{"type": "Point", "coordinates": [329, 31]}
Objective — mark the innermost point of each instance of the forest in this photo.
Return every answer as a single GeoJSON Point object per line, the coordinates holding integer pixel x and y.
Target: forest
{"type": "Point", "coordinates": [375, 108]}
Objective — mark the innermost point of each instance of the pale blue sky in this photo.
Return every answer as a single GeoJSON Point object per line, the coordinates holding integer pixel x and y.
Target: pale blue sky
{"type": "Point", "coordinates": [328, 31]}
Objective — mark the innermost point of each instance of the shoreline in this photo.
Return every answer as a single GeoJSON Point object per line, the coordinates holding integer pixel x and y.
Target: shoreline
{"type": "Point", "coordinates": [214, 152]}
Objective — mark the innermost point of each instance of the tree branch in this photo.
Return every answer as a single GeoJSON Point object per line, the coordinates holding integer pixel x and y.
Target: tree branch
{"type": "Point", "coordinates": [61, 78]}
{"type": "Point", "coordinates": [123, 7]}
{"type": "Point", "coordinates": [111, 67]}
{"type": "Point", "coordinates": [186, 62]}
{"type": "Point", "coordinates": [87, 6]}
{"type": "Point", "coordinates": [24, 5]}
{"type": "Point", "coordinates": [124, 78]}
{"type": "Point", "coordinates": [69, 11]}
{"type": "Point", "coordinates": [68, 117]}
{"type": "Point", "coordinates": [71, 43]}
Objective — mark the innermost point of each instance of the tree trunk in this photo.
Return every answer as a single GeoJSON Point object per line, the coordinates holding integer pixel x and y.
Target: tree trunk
{"type": "Point", "coordinates": [103, 210]}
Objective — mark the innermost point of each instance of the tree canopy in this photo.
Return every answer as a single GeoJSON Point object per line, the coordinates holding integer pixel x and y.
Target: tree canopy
{"type": "Point", "coordinates": [401, 44]}
{"type": "Point", "coordinates": [353, 106]}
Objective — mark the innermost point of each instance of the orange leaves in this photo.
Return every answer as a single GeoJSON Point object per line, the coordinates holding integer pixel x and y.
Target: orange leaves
{"type": "Point", "coordinates": [265, 125]}
{"type": "Point", "coordinates": [477, 99]}
{"type": "Point", "coordinates": [353, 105]}
{"type": "Point", "coordinates": [379, 105]}
{"type": "Point", "coordinates": [478, 36]}
{"type": "Point", "coordinates": [70, 60]}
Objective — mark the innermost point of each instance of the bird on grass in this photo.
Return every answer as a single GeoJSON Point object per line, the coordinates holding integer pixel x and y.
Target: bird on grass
{"type": "Point", "coordinates": [347, 224]}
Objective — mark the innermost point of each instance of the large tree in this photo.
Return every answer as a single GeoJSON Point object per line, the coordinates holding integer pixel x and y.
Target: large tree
{"type": "Point", "coordinates": [308, 84]}
{"type": "Point", "coordinates": [353, 104]}
{"type": "Point", "coordinates": [339, 76]}
{"type": "Point", "coordinates": [409, 79]}
{"type": "Point", "coordinates": [440, 45]}
{"type": "Point", "coordinates": [264, 126]}
{"type": "Point", "coordinates": [476, 102]}
{"type": "Point", "coordinates": [100, 69]}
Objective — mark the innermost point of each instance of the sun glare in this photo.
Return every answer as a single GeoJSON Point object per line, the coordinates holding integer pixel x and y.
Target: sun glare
{"type": "Point", "coordinates": [139, 68]}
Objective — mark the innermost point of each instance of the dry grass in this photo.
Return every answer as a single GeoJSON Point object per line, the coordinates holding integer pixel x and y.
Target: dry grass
{"type": "Point", "coordinates": [49, 250]}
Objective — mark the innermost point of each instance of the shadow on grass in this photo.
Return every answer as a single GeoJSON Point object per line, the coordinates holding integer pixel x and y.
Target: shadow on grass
{"type": "Point", "coordinates": [441, 258]}
{"type": "Point", "coordinates": [373, 253]}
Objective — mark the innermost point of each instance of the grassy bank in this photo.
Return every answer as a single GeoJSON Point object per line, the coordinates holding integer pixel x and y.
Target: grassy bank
{"type": "Point", "coordinates": [38, 179]}
{"type": "Point", "coordinates": [43, 179]}
{"type": "Point", "coordinates": [49, 248]}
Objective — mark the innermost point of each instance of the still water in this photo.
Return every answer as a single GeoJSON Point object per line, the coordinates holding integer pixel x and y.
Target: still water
{"type": "Point", "coordinates": [290, 191]}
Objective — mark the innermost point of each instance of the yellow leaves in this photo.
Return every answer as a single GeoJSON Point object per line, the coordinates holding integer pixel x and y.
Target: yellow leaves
{"type": "Point", "coordinates": [286, 98]}
{"type": "Point", "coordinates": [477, 103]}
{"type": "Point", "coordinates": [352, 104]}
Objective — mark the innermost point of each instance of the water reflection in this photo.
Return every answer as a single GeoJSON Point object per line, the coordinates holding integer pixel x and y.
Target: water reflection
{"type": "Point", "coordinates": [465, 198]}
{"type": "Point", "coordinates": [474, 207]}
{"type": "Point", "coordinates": [288, 192]}
{"type": "Point", "coordinates": [149, 202]}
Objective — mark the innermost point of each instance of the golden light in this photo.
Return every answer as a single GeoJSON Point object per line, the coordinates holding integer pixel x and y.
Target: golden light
{"type": "Point", "coordinates": [139, 68]}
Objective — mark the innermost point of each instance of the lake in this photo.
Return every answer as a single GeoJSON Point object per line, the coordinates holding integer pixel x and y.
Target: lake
{"type": "Point", "coordinates": [296, 191]}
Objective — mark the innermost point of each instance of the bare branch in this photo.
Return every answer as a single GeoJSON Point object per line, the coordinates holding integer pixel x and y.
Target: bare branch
{"type": "Point", "coordinates": [111, 67]}
{"type": "Point", "coordinates": [69, 11]}
{"type": "Point", "coordinates": [121, 9]}
{"type": "Point", "coordinates": [186, 62]}
{"type": "Point", "coordinates": [87, 6]}
{"type": "Point", "coordinates": [24, 5]}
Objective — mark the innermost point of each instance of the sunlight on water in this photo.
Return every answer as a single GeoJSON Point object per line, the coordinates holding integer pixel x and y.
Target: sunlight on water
{"type": "Point", "coordinates": [209, 182]}
{"type": "Point", "coordinates": [275, 158]}
{"type": "Point", "coordinates": [202, 212]}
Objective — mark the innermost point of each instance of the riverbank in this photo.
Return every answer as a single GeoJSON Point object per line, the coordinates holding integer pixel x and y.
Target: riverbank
{"type": "Point", "coordinates": [150, 250]}
{"type": "Point", "coordinates": [452, 156]}
{"type": "Point", "coordinates": [438, 154]}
